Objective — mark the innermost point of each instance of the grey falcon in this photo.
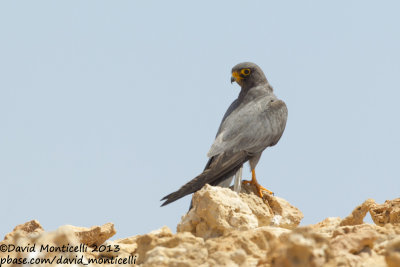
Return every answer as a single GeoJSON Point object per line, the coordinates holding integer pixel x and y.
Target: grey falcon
{"type": "Point", "coordinates": [254, 121]}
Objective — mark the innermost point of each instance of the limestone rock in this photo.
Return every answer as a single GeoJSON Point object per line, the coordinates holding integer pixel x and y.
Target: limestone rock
{"type": "Point", "coordinates": [242, 248]}
{"type": "Point", "coordinates": [285, 215]}
{"type": "Point", "coordinates": [257, 205]}
{"type": "Point", "coordinates": [271, 210]}
{"type": "Point", "coordinates": [67, 242]}
{"type": "Point", "coordinates": [352, 245]}
{"type": "Point", "coordinates": [300, 247]}
{"type": "Point", "coordinates": [25, 229]}
{"type": "Point", "coordinates": [381, 214]}
{"type": "Point", "coordinates": [39, 244]}
{"type": "Point", "coordinates": [388, 212]}
{"type": "Point", "coordinates": [358, 214]}
{"type": "Point", "coordinates": [229, 229]}
{"type": "Point", "coordinates": [217, 211]}
{"type": "Point", "coordinates": [392, 255]}
{"type": "Point", "coordinates": [162, 248]}
{"type": "Point", "coordinates": [327, 226]}
{"type": "Point", "coordinates": [95, 235]}
{"type": "Point", "coordinates": [236, 248]}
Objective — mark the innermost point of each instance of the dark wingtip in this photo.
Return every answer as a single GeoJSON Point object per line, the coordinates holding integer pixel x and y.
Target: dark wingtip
{"type": "Point", "coordinates": [165, 203]}
{"type": "Point", "coordinates": [171, 198]}
{"type": "Point", "coordinates": [167, 199]}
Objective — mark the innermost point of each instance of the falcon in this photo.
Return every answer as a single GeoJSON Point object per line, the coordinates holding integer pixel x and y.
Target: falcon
{"type": "Point", "coordinates": [254, 121]}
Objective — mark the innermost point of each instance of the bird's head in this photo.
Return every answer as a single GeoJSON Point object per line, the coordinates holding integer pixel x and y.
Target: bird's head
{"type": "Point", "coordinates": [247, 75]}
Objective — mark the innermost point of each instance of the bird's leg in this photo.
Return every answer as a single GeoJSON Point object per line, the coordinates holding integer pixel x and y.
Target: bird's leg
{"type": "Point", "coordinates": [238, 181]}
{"type": "Point", "coordinates": [259, 187]}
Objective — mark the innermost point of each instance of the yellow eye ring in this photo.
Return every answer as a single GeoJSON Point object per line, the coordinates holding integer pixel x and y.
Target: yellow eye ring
{"type": "Point", "coordinates": [245, 72]}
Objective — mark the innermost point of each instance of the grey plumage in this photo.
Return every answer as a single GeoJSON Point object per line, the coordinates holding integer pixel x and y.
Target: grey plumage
{"type": "Point", "coordinates": [253, 122]}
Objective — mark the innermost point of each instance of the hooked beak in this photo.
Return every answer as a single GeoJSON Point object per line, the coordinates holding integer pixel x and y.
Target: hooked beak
{"type": "Point", "coordinates": [236, 77]}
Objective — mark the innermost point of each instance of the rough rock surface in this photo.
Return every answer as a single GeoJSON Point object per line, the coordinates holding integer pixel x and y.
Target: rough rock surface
{"type": "Point", "coordinates": [222, 229]}
{"type": "Point", "coordinates": [217, 211]}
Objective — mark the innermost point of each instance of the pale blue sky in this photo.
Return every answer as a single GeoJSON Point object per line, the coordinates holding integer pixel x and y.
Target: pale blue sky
{"type": "Point", "coordinates": [107, 106]}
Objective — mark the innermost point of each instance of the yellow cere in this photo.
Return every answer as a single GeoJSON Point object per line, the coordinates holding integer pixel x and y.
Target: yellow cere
{"type": "Point", "coordinates": [236, 75]}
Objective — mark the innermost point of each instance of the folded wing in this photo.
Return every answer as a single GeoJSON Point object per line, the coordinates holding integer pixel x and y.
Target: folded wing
{"type": "Point", "coordinates": [252, 127]}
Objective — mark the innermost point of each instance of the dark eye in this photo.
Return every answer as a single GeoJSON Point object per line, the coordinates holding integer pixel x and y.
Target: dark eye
{"type": "Point", "coordinates": [245, 72]}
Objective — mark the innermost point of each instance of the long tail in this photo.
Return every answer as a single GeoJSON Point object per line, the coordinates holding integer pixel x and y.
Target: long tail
{"type": "Point", "coordinates": [220, 168]}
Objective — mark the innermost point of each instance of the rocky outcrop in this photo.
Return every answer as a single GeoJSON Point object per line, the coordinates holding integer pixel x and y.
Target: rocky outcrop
{"type": "Point", "coordinates": [388, 212]}
{"type": "Point", "coordinates": [222, 229]}
{"type": "Point", "coordinates": [217, 211]}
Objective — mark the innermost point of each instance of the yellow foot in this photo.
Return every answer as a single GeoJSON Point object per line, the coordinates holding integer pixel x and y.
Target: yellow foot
{"type": "Point", "coordinates": [259, 187]}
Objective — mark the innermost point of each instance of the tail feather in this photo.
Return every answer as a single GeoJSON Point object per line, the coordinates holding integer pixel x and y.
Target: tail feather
{"type": "Point", "coordinates": [220, 168]}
